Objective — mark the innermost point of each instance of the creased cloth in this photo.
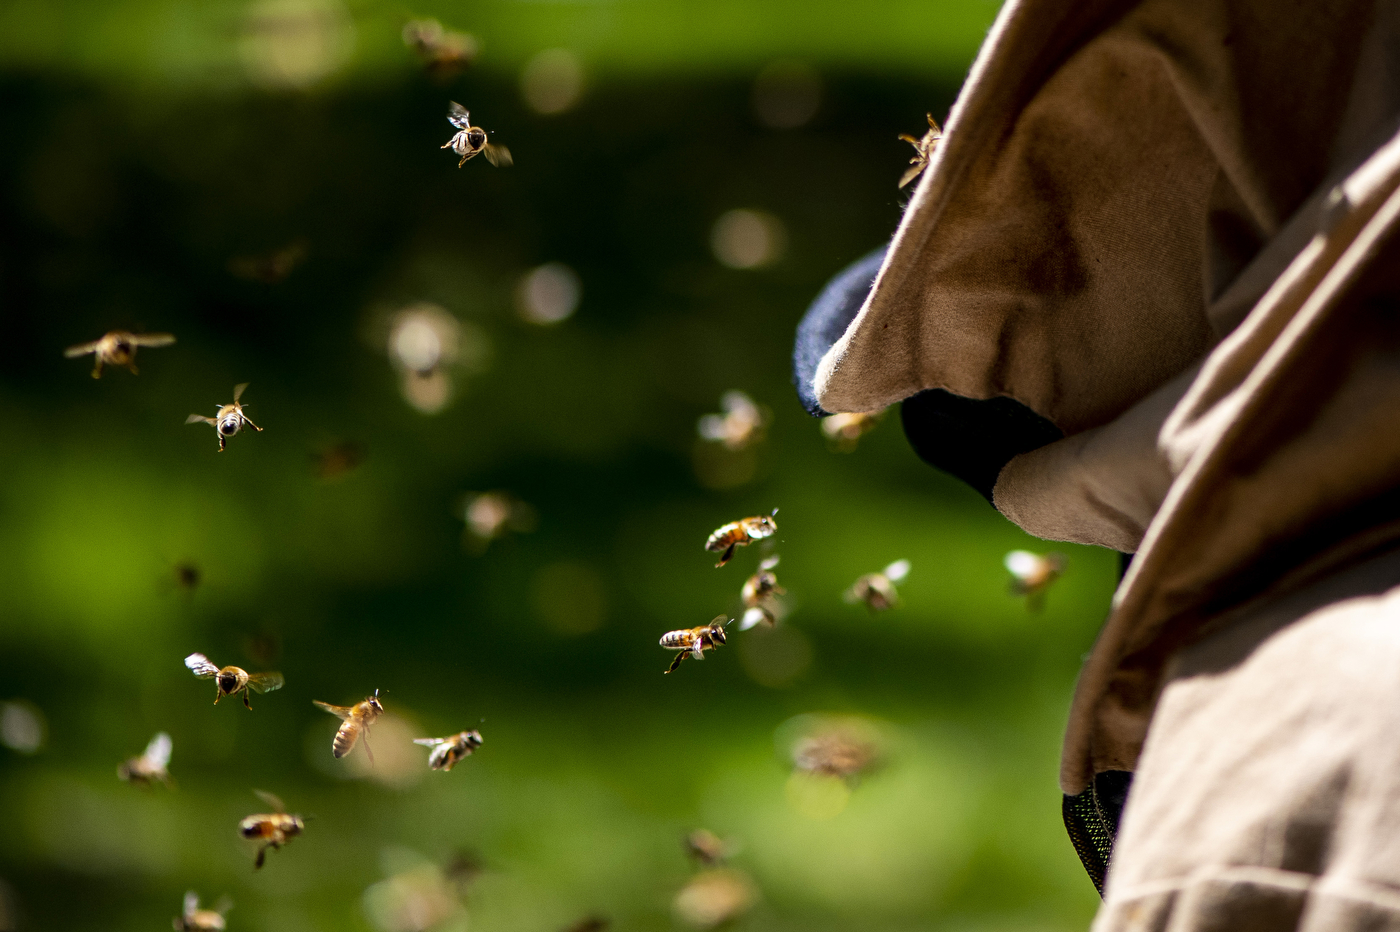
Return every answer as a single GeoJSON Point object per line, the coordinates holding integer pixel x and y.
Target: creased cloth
{"type": "Point", "coordinates": [1288, 817]}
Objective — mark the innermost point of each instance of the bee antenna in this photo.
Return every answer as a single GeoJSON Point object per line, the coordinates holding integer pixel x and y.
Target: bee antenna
{"type": "Point", "coordinates": [775, 513]}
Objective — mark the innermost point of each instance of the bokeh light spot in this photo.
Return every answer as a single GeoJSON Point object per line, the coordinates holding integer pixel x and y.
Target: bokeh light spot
{"type": "Point", "coordinates": [548, 294]}
{"type": "Point", "coordinates": [748, 239]}
{"type": "Point", "coordinates": [552, 81]}
{"type": "Point", "coordinates": [787, 94]}
{"type": "Point", "coordinates": [22, 726]}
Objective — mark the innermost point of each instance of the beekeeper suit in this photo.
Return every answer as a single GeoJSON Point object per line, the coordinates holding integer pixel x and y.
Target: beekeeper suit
{"type": "Point", "coordinates": [1147, 296]}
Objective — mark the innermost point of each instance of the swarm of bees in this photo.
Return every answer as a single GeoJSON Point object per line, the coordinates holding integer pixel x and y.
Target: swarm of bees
{"type": "Point", "coordinates": [739, 426]}
{"type": "Point", "coordinates": [470, 141]}
{"type": "Point", "coordinates": [877, 590]}
{"type": "Point", "coordinates": [151, 766]}
{"type": "Point", "coordinates": [843, 431]}
{"type": "Point", "coordinates": [230, 681]}
{"type": "Point", "coordinates": [923, 150]}
{"type": "Point", "coordinates": [1032, 574]}
{"type": "Point", "coordinates": [117, 348]}
{"type": "Point", "coordinates": [270, 829]}
{"type": "Point", "coordinates": [448, 752]}
{"type": "Point", "coordinates": [229, 420]}
{"type": "Point", "coordinates": [194, 919]}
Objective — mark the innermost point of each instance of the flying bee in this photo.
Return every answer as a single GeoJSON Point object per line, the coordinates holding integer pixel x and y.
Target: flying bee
{"type": "Point", "coordinates": [194, 919]}
{"type": "Point", "coordinates": [354, 721]}
{"type": "Point", "coordinates": [706, 847]}
{"type": "Point", "coordinates": [715, 897]}
{"type": "Point", "coordinates": [273, 829]}
{"type": "Point", "coordinates": [1032, 574]}
{"type": "Point", "coordinates": [229, 420]}
{"type": "Point", "coordinates": [923, 150]}
{"type": "Point", "coordinates": [877, 590]}
{"type": "Point", "coordinates": [759, 594]}
{"type": "Point", "coordinates": [590, 924]}
{"type": "Point", "coordinates": [270, 268]}
{"type": "Point", "coordinates": [470, 141]}
{"type": "Point", "coordinates": [445, 52]}
{"type": "Point", "coordinates": [448, 752]}
{"type": "Point", "coordinates": [844, 431]}
{"type": "Point", "coordinates": [693, 642]}
{"type": "Point", "coordinates": [118, 348]}
{"type": "Point", "coordinates": [846, 749]}
{"type": "Point", "coordinates": [740, 426]}
{"type": "Point", "coordinates": [231, 681]}
{"type": "Point", "coordinates": [150, 767]}
{"type": "Point", "coordinates": [740, 533]}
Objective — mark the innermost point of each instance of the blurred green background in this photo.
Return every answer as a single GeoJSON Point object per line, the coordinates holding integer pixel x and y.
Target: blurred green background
{"type": "Point", "coordinates": [154, 149]}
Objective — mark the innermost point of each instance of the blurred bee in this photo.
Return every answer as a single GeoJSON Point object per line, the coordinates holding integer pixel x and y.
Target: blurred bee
{"type": "Point", "coordinates": [1032, 574]}
{"type": "Point", "coordinates": [759, 595]}
{"type": "Point", "coordinates": [338, 459]}
{"type": "Point", "coordinates": [706, 847]}
{"type": "Point", "coordinates": [877, 590]}
{"type": "Point", "coordinates": [471, 140]}
{"type": "Point", "coordinates": [272, 268]}
{"type": "Point", "coordinates": [450, 751]}
{"type": "Point", "coordinates": [354, 722]}
{"type": "Point", "coordinates": [118, 348]}
{"type": "Point", "coordinates": [273, 829]}
{"type": "Point", "coordinates": [233, 680]}
{"type": "Point", "coordinates": [843, 749]}
{"type": "Point", "coordinates": [188, 576]}
{"type": "Point", "coordinates": [844, 431]}
{"type": "Point", "coordinates": [740, 426]}
{"type": "Point", "coordinates": [715, 897]}
{"type": "Point", "coordinates": [590, 924]}
{"type": "Point", "coordinates": [229, 420]}
{"type": "Point", "coordinates": [740, 533]}
{"type": "Point", "coordinates": [490, 515]}
{"type": "Point", "coordinates": [150, 766]}
{"type": "Point", "coordinates": [444, 51]}
{"type": "Point", "coordinates": [194, 919]}
{"type": "Point", "coordinates": [693, 642]}
{"type": "Point", "coordinates": [923, 150]}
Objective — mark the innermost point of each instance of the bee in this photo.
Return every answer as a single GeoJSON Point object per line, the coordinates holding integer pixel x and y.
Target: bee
{"type": "Point", "coordinates": [590, 924]}
{"type": "Point", "coordinates": [448, 752]}
{"type": "Point", "coordinates": [229, 420]}
{"type": "Point", "coordinates": [445, 52]}
{"type": "Point", "coordinates": [338, 459]}
{"type": "Point", "coordinates": [759, 593]}
{"type": "Point", "coordinates": [271, 268]}
{"type": "Point", "coordinates": [715, 897]}
{"type": "Point", "coordinates": [844, 431]}
{"type": "Point", "coordinates": [706, 847]}
{"type": "Point", "coordinates": [923, 150]}
{"type": "Point", "coordinates": [354, 721]}
{"type": "Point", "coordinates": [1032, 574]}
{"type": "Point", "coordinates": [693, 642]}
{"type": "Point", "coordinates": [471, 140]}
{"type": "Point", "coordinates": [877, 590]}
{"type": "Point", "coordinates": [273, 829]}
{"type": "Point", "coordinates": [233, 680]}
{"type": "Point", "coordinates": [188, 576]}
{"type": "Point", "coordinates": [740, 426]}
{"type": "Point", "coordinates": [150, 766]}
{"type": "Point", "coordinates": [194, 919]}
{"type": "Point", "coordinates": [118, 348]}
{"type": "Point", "coordinates": [740, 533]}
{"type": "Point", "coordinates": [845, 750]}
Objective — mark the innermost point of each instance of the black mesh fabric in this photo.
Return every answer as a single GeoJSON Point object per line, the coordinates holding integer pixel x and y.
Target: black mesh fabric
{"type": "Point", "coordinates": [1092, 818]}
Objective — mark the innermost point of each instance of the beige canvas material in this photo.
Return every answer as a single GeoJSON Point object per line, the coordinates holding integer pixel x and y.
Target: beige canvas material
{"type": "Point", "coordinates": [1055, 250]}
{"type": "Point", "coordinates": [1288, 816]}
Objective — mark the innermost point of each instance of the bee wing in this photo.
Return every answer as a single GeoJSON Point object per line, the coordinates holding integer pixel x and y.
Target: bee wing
{"type": "Point", "coordinates": [769, 562]}
{"type": "Point", "coordinates": [1022, 563]}
{"type": "Point", "coordinates": [430, 742]}
{"type": "Point", "coordinates": [82, 349]}
{"type": "Point", "coordinates": [266, 682]}
{"type": "Point", "coordinates": [498, 155]}
{"type": "Point", "coordinates": [238, 391]}
{"type": "Point", "coordinates": [910, 174]}
{"type": "Point", "coordinates": [897, 570]}
{"type": "Point", "coordinates": [339, 711]}
{"type": "Point", "coordinates": [751, 617]}
{"type": "Point", "coordinates": [224, 904]}
{"type": "Point", "coordinates": [153, 339]}
{"type": "Point", "coordinates": [458, 116]}
{"type": "Point", "coordinates": [851, 596]}
{"type": "Point", "coordinates": [158, 751]}
{"type": "Point", "coordinates": [713, 427]}
{"type": "Point", "coordinates": [191, 903]}
{"type": "Point", "coordinates": [720, 619]}
{"type": "Point", "coordinates": [199, 419]}
{"type": "Point", "coordinates": [201, 666]}
{"type": "Point", "coordinates": [271, 799]}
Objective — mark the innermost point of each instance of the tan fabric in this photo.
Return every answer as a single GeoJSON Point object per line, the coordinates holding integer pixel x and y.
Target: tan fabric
{"type": "Point", "coordinates": [1268, 794]}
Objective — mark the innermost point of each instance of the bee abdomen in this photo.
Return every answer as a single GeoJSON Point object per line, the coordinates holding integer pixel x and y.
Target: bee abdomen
{"type": "Point", "coordinates": [344, 740]}
{"type": "Point", "coordinates": [676, 639]}
{"type": "Point", "coordinates": [723, 537]}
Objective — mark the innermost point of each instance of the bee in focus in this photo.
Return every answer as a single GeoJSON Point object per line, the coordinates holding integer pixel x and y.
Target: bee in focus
{"type": "Point", "coordinates": [715, 897]}
{"type": "Point", "coordinates": [150, 767]}
{"type": "Point", "coordinates": [118, 348]}
{"type": "Point", "coordinates": [354, 722]}
{"type": "Point", "coordinates": [923, 150]}
{"type": "Point", "coordinates": [844, 431]}
{"type": "Point", "coordinates": [444, 52]}
{"type": "Point", "coordinates": [706, 847]}
{"type": "Point", "coordinates": [274, 829]}
{"type": "Point", "coordinates": [471, 141]}
{"type": "Point", "coordinates": [740, 533]}
{"type": "Point", "coordinates": [229, 681]}
{"type": "Point", "coordinates": [760, 596]}
{"type": "Point", "coordinates": [740, 426]}
{"type": "Point", "coordinates": [229, 420]}
{"type": "Point", "coordinates": [693, 642]}
{"type": "Point", "coordinates": [194, 919]}
{"type": "Point", "coordinates": [1032, 574]}
{"type": "Point", "coordinates": [842, 748]}
{"type": "Point", "coordinates": [877, 590]}
{"type": "Point", "coordinates": [271, 268]}
{"type": "Point", "coordinates": [450, 751]}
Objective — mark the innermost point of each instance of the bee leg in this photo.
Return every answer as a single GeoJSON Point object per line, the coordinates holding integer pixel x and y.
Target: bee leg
{"type": "Point", "coordinates": [218, 694]}
{"type": "Point", "coordinates": [675, 664]}
{"type": "Point", "coordinates": [97, 367]}
{"type": "Point", "coordinates": [132, 366]}
{"type": "Point", "coordinates": [262, 856]}
{"type": "Point", "coordinates": [246, 704]}
{"type": "Point", "coordinates": [248, 421]}
{"type": "Point", "coordinates": [221, 438]}
{"type": "Point", "coordinates": [724, 558]}
{"type": "Point", "coordinates": [367, 747]}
